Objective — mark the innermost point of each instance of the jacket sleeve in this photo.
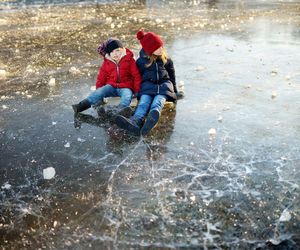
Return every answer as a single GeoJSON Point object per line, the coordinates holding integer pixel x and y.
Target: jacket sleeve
{"type": "Point", "coordinates": [171, 71]}
{"type": "Point", "coordinates": [141, 65]}
{"type": "Point", "coordinates": [136, 76]}
{"type": "Point", "coordinates": [102, 77]}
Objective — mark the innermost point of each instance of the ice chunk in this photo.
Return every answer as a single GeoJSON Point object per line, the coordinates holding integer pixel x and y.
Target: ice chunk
{"type": "Point", "coordinates": [285, 216]}
{"type": "Point", "coordinates": [4, 107]}
{"type": "Point", "coordinates": [6, 186]}
{"type": "Point", "coordinates": [4, 97]}
{"type": "Point", "coordinates": [48, 173]}
{"type": "Point", "coordinates": [220, 118]}
{"type": "Point", "coordinates": [200, 68]}
{"type": "Point", "coordinates": [212, 131]}
{"type": "Point", "coordinates": [181, 85]}
{"type": "Point", "coordinates": [287, 77]}
{"type": "Point", "coordinates": [180, 89]}
{"type": "Point", "coordinates": [80, 140]}
{"type": "Point", "coordinates": [74, 70]}
{"type": "Point", "coordinates": [51, 82]}
{"type": "Point", "coordinates": [226, 108]}
{"type": "Point", "coordinates": [274, 94]}
{"type": "Point", "coordinates": [55, 223]}
{"type": "Point", "coordinates": [274, 72]}
{"type": "Point", "coordinates": [3, 74]}
{"type": "Point", "coordinates": [67, 145]}
{"type": "Point", "coordinates": [275, 241]}
{"type": "Point", "coordinates": [158, 20]}
{"type": "Point", "coordinates": [193, 197]}
{"type": "Point", "coordinates": [108, 19]}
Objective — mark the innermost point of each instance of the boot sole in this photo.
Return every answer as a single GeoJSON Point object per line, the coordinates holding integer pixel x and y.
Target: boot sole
{"type": "Point", "coordinates": [125, 124]}
{"type": "Point", "coordinates": [75, 108]}
{"type": "Point", "coordinates": [150, 123]}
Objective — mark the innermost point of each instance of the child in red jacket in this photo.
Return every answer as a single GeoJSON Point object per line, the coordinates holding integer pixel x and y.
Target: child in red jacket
{"type": "Point", "coordinates": [118, 76]}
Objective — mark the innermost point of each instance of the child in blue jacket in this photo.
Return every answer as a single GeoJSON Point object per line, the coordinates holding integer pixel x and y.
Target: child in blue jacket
{"type": "Point", "coordinates": [158, 85]}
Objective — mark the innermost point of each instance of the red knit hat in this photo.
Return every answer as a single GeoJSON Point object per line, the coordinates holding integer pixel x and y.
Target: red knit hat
{"type": "Point", "coordinates": [149, 41]}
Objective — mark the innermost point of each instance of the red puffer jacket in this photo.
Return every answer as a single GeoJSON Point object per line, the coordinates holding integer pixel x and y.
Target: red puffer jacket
{"type": "Point", "coordinates": [125, 74]}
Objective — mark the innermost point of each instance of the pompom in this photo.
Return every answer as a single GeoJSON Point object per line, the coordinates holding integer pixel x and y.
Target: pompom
{"type": "Point", "coordinates": [140, 34]}
{"type": "Point", "coordinates": [102, 47]}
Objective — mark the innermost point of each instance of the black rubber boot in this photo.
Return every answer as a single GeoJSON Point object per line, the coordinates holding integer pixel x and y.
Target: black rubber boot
{"type": "Point", "coordinates": [150, 122]}
{"type": "Point", "coordinates": [101, 112]}
{"type": "Point", "coordinates": [115, 111]}
{"type": "Point", "coordinates": [83, 105]}
{"type": "Point", "coordinates": [125, 111]}
{"type": "Point", "coordinates": [129, 124]}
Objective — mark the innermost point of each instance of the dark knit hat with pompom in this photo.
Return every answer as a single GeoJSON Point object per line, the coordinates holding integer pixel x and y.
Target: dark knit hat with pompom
{"type": "Point", "coordinates": [108, 46]}
{"type": "Point", "coordinates": [149, 41]}
{"type": "Point", "coordinates": [112, 45]}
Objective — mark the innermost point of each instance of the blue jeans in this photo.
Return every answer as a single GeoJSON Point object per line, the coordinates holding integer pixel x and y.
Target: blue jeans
{"type": "Point", "coordinates": [96, 97]}
{"type": "Point", "coordinates": [148, 103]}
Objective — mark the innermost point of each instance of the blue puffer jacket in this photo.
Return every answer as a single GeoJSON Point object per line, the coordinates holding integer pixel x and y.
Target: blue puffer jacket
{"type": "Point", "coordinates": [157, 79]}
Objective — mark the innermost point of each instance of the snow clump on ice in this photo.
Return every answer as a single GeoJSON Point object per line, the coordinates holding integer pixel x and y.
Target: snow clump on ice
{"type": "Point", "coordinates": [48, 173]}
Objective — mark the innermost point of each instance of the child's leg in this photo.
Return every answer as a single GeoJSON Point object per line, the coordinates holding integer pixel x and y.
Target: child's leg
{"type": "Point", "coordinates": [133, 124]}
{"type": "Point", "coordinates": [154, 114]}
{"type": "Point", "coordinates": [96, 97]}
{"type": "Point", "coordinates": [126, 96]}
{"type": "Point", "coordinates": [124, 108]}
{"type": "Point", "coordinates": [143, 107]}
{"type": "Point", "coordinates": [158, 103]}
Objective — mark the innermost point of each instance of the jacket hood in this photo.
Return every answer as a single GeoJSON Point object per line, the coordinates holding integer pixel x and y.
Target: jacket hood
{"type": "Point", "coordinates": [143, 53]}
{"type": "Point", "coordinates": [125, 53]}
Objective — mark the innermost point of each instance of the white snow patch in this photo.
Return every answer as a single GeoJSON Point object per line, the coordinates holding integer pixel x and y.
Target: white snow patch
{"type": "Point", "coordinates": [6, 186]}
{"type": "Point", "coordinates": [3, 74]}
{"type": "Point", "coordinates": [285, 215]}
{"type": "Point", "coordinates": [200, 68]}
{"type": "Point", "coordinates": [212, 131]}
{"type": "Point", "coordinates": [48, 173]}
{"type": "Point", "coordinates": [274, 94]}
{"type": "Point", "coordinates": [80, 140]}
{"type": "Point", "coordinates": [52, 82]}
{"type": "Point", "coordinates": [73, 70]}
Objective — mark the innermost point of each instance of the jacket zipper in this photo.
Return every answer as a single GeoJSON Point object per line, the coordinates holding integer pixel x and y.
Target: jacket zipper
{"type": "Point", "coordinates": [157, 78]}
{"type": "Point", "coordinates": [118, 74]}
